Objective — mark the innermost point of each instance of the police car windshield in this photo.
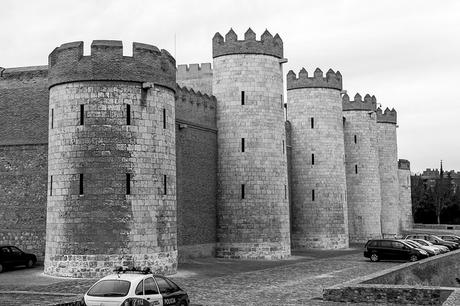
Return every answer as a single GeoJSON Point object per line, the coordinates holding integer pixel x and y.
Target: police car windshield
{"type": "Point", "coordinates": [112, 287]}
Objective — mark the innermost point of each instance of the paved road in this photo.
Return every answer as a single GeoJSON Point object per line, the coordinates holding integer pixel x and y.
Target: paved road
{"type": "Point", "coordinates": [211, 281]}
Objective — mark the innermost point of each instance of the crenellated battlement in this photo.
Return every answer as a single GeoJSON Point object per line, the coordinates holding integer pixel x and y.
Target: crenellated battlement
{"type": "Point", "coordinates": [196, 76]}
{"type": "Point", "coordinates": [267, 45]}
{"type": "Point", "coordinates": [106, 62]}
{"type": "Point", "coordinates": [195, 108]}
{"type": "Point", "coordinates": [368, 104]}
{"type": "Point", "coordinates": [403, 164]}
{"type": "Point", "coordinates": [332, 80]}
{"type": "Point", "coordinates": [190, 96]}
{"type": "Point", "coordinates": [388, 116]}
{"type": "Point", "coordinates": [194, 69]}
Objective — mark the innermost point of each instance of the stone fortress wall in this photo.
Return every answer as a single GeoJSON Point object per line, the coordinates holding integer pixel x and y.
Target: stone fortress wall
{"type": "Point", "coordinates": [252, 205]}
{"type": "Point", "coordinates": [362, 167]}
{"type": "Point", "coordinates": [196, 76]}
{"type": "Point", "coordinates": [318, 171]}
{"type": "Point", "coordinates": [196, 171]}
{"type": "Point", "coordinates": [388, 169]}
{"type": "Point", "coordinates": [24, 157]}
{"type": "Point", "coordinates": [111, 160]}
{"type": "Point", "coordinates": [206, 211]}
{"type": "Point", "coordinates": [406, 221]}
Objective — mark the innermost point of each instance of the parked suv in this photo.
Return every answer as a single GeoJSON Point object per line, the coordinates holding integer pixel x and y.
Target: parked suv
{"type": "Point", "coordinates": [434, 239]}
{"type": "Point", "coordinates": [377, 249]}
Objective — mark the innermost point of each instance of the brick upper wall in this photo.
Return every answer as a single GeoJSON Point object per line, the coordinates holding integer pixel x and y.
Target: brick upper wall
{"type": "Point", "coordinates": [23, 177]}
{"type": "Point", "coordinates": [24, 105]}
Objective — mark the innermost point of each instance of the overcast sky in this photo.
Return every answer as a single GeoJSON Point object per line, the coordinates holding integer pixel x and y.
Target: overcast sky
{"type": "Point", "coordinates": [406, 53]}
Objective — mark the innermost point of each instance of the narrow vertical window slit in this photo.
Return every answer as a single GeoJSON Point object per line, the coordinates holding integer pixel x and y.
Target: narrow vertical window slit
{"type": "Point", "coordinates": [164, 118]}
{"type": "Point", "coordinates": [165, 184]}
{"type": "Point", "coordinates": [128, 183]}
{"type": "Point", "coordinates": [242, 145]}
{"type": "Point", "coordinates": [242, 98]}
{"type": "Point", "coordinates": [81, 183]}
{"type": "Point", "coordinates": [51, 185]}
{"type": "Point", "coordinates": [82, 114]}
{"type": "Point", "coordinates": [128, 114]}
{"type": "Point", "coordinates": [242, 191]}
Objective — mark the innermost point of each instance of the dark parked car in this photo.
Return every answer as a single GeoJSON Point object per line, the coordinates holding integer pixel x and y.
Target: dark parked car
{"type": "Point", "coordinates": [434, 239]}
{"type": "Point", "coordinates": [378, 249]}
{"type": "Point", "coordinates": [11, 256]}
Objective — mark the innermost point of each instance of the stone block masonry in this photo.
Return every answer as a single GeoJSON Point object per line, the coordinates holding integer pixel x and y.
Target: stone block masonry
{"type": "Point", "coordinates": [144, 162]}
{"type": "Point", "coordinates": [362, 168]}
{"type": "Point", "coordinates": [198, 77]}
{"type": "Point", "coordinates": [388, 169]}
{"type": "Point", "coordinates": [406, 219]}
{"type": "Point", "coordinates": [318, 170]}
{"type": "Point", "coordinates": [111, 168]}
{"type": "Point", "coordinates": [253, 211]}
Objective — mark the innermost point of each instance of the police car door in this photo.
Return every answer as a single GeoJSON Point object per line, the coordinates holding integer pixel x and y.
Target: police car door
{"type": "Point", "coordinates": [170, 296]}
{"type": "Point", "coordinates": [151, 292]}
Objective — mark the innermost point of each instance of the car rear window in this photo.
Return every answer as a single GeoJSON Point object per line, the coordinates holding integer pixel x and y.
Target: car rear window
{"type": "Point", "coordinates": [110, 287]}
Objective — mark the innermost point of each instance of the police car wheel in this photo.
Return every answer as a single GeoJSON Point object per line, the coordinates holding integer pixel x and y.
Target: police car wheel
{"type": "Point", "coordinates": [183, 303]}
{"type": "Point", "coordinates": [1, 268]}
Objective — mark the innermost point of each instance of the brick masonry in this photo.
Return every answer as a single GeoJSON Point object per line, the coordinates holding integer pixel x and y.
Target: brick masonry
{"type": "Point", "coordinates": [256, 226]}
{"type": "Point", "coordinates": [23, 176]}
{"type": "Point", "coordinates": [319, 220]}
{"type": "Point", "coordinates": [24, 105]}
{"type": "Point", "coordinates": [362, 170]}
{"type": "Point", "coordinates": [104, 220]}
{"type": "Point", "coordinates": [196, 156]}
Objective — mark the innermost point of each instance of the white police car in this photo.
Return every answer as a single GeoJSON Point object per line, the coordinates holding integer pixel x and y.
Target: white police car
{"type": "Point", "coordinates": [135, 287]}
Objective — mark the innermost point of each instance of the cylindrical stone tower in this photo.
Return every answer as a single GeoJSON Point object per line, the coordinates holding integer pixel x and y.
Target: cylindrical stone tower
{"type": "Point", "coordinates": [111, 163]}
{"type": "Point", "coordinates": [388, 169]}
{"type": "Point", "coordinates": [406, 220]}
{"type": "Point", "coordinates": [318, 165]}
{"type": "Point", "coordinates": [362, 168]}
{"type": "Point", "coordinates": [253, 211]}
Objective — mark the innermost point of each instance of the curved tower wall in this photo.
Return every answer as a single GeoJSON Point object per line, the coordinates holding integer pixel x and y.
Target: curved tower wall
{"type": "Point", "coordinates": [108, 204]}
{"type": "Point", "coordinates": [256, 224]}
{"type": "Point", "coordinates": [362, 168]}
{"type": "Point", "coordinates": [388, 169]}
{"type": "Point", "coordinates": [319, 187]}
{"type": "Point", "coordinates": [406, 220]}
